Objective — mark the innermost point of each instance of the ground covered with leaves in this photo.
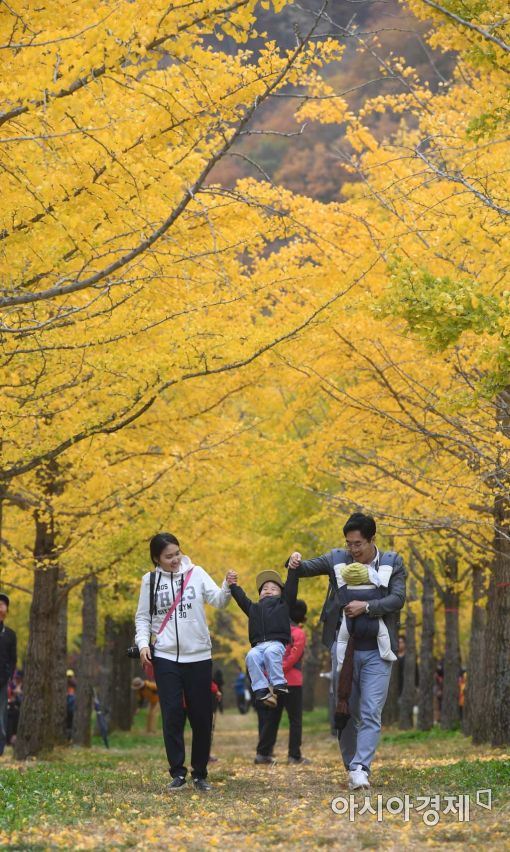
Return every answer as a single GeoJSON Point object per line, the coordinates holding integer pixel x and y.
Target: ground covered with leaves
{"type": "Point", "coordinates": [116, 799]}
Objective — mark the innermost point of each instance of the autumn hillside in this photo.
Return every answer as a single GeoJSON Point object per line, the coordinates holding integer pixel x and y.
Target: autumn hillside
{"type": "Point", "coordinates": [309, 157]}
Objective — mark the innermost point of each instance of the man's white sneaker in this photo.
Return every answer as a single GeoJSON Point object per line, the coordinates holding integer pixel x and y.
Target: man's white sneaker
{"type": "Point", "coordinates": [358, 779]}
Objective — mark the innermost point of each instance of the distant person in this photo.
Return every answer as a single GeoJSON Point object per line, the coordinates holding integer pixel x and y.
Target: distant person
{"type": "Point", "coordinates": [216, 696]}
{"type": "Point", "coordinates": [14, 699]}
{"type": "Point", "coordinates": [240, 690]}
{"type": "Point", "coordinates": [181, 653]}
{"type": "Point", "coordinates": [292, 702]}
{"type": "Point", "coordinates": [219, 680]}
{"type": "Point", "coordinates": [70, 701]}
{"type": "Point", "coordinates": [401, 658]}
{"type": "Point", "coordinates": [438, 691]}
{"type": "Point", "coordinates": [269, 630]}
{"type": "Point", "coordinates": [462, 681]}
{"type": "Point", "coordinates": [8, 653]}
{"type": "Point", "coordinates": [147, 693]}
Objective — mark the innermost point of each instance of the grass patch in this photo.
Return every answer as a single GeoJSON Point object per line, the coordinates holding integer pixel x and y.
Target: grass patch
{"type": "Point", "coordinates": [79, 784]}
{"type": "Point", "coordinates": [435, 734]}
{"type": "Point", "coordinates": [457, 777]}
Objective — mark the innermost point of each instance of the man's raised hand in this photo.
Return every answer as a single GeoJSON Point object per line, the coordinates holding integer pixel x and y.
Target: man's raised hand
{"type": "Point", "coordinates": [231, 578]}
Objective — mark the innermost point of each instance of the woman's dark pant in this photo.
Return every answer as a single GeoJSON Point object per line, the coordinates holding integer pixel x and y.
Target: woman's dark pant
{"type": "Point", "coordinates": [293, 703]}
{"type": "Point", "coordinates": [193, 682]}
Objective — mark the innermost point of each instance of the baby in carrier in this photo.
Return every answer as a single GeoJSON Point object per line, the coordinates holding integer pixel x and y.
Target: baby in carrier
{"type": "Point", "coordinates": [361, 582]}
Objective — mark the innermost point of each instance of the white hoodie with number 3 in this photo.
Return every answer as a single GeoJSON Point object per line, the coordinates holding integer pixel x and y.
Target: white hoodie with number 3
{"type": "Point", "coordinates": [185, 638]}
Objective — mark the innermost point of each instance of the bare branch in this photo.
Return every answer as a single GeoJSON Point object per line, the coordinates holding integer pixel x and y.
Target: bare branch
{"type": "Point", "coordinates": [18, 588]}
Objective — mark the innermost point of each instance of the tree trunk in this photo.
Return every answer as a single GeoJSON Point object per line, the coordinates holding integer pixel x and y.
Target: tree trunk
{"type": "Point", "coordinates": [427, 663]}
{"type": "Point", "coordinates": [105, 669]}
{"type": "Point", "coordinates": [390, 710]}
{"type": "Point", "coordinates": [121, 708]}
{"type": "Point", "coordinates": [495, 725]}
{"type": "Point", "coordinates": [60, 668]}
{"type": "Point", "coordinates": [36, 722]}
{"type": "Point", "coordinates": [36, 728]}
{"type": "Point", "coordinates": [475, 707]}
{"type": "Point", "coordinates": [450, 714]}
{"type": "Point", "coordinates": [86, 666]}
{"type": "Point", "coordinates": [408, 694]}
{"type": "Point", "coordinates": [311, 668]}
{"type": "Point", "coordinates": [497, 645]}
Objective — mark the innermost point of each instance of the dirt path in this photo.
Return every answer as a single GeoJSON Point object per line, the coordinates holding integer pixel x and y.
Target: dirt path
{"type": "Point", "coordinates": [281, 806]}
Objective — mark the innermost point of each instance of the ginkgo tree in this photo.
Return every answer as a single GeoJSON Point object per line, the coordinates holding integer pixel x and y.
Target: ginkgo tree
{"type": "Point", "coordinates": [414, 427]}
{"type": "Point", "coordinates": [126, 271]}
{"type": "Point", "coordinates": [421, 435]}
{"type": "Point", "coordinates": [161, 331]}
{"type": "Point", "coordinates": [122, 266]}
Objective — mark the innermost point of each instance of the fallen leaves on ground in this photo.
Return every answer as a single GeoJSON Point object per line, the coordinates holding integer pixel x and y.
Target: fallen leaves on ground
{"type": "Point", "coordinates": [122, 803]}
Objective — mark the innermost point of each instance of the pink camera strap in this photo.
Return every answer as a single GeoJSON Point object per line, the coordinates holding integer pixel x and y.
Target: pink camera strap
{"type": "Point", "coordinates": [176, 603]}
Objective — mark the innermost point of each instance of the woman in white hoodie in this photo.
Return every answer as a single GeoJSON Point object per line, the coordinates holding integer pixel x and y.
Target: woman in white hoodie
{"type": "Point", "coordinates": [182, 652]}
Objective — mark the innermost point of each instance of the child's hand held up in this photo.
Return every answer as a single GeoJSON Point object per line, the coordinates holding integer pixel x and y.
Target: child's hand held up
{"type": "Point", "coordinates": [294, 560]}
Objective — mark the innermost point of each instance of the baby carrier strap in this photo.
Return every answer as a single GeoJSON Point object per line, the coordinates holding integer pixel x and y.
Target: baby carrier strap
{"type": "Point", "coordinates": [386, 564]}
{"type": "Point", "coordinates": [338, 556]}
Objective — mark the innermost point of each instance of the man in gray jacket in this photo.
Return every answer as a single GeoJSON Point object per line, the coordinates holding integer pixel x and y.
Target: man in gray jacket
{"type": "Point", "coordinates": [371, 674]}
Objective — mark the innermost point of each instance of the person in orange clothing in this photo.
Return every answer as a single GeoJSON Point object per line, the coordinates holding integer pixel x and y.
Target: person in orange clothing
{"type": "Point", "coordinates": [293, 700]}
{"type": "Point", "coordinates": [462, 680]}
{"type": "Point", "coordinates": [216, 697]}
{"type": "Point", "coordinates": [147, 691]}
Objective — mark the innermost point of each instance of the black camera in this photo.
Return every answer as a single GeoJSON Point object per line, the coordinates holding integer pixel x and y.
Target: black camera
{"type": "Point", "coordinates": [134, 653]}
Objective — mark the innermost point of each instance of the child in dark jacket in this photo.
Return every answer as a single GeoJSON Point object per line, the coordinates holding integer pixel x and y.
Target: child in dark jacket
{"type": "Point", "coordinates": [269, 630]}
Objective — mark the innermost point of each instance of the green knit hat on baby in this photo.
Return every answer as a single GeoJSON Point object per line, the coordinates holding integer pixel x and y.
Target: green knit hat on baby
{"type": "Point", "coordinates": [355, 574]}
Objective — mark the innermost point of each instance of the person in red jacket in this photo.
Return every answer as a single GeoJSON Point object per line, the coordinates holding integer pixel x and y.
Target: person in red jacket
{"type": "Point", "coordinates": [291, 701]}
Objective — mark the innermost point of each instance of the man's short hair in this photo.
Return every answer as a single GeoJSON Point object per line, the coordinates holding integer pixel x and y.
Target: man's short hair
{"type": "Point", "coordinates": [361, 523]}
{"type": "Point", "coordinates": [5, 600]}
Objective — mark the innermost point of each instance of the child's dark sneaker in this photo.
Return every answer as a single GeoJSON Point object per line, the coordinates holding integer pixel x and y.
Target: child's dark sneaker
{"type": "Point", "coordinates": [201, 784]}
{"type": "Point", "coordinates": [280, 688]}
{"type": "Point", "coordinates": [262, 694]}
